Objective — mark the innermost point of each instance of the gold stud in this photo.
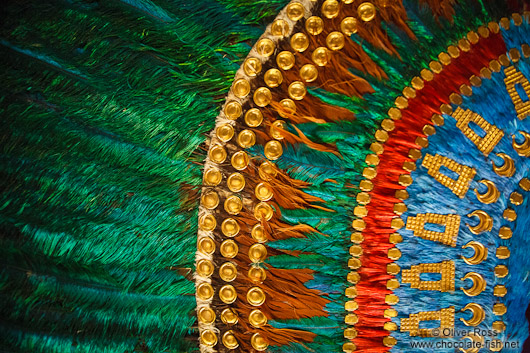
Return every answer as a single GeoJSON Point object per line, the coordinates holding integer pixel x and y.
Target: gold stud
{"type": "Point", "coordinates": [397, 223]}
{"type": "Point", "coordinates": [267, 171]}
{"type": "Point", "coordinates": [255, 296]}
{"type": "Point", "coordinates": [210, 199]}
{"type": "Point", "coordinates": [257, 253]}
{"type": "Point", "coordinates": [206, 245]}
{"type": "Point", "coordinates": [389, 341]}
{"type": "Point", "coordinates": [229, 317]}
{"type": "Point", "coordinates": [394, 113]}
{"type": "Point", "coordinates": [401, 194]}
{"type": "Point", "coordinates": [256, 274]}
{"type": "Point", "coordinates": [205, 291]}
{"type": "Point", "coordinates": [498, 326]}
{"type": "Point", "coordinates": [369, 173]}
{"type": "Point", "coordinates": [401, 102]}
{"type": "Point", "coordinates": [273, 78]}
{"type": "Point", "coordinates": [273, 150]}
{"type": "Point", "coordinates": [309, 73]}
{"type": "Point", "coordinates": [351, 319]}
{"type": "Point", "coordinates": [206, 315]}
{"type": "Point", "coordinates": [372, 159]}
{"type": "Point", "coordinates": [351, 292]}
{"type": "Point", "coordinates": [514, 55]}
{"type": "Point", "coordinates": [350, 333]}
{"type": "Point", "coordinates": [262, 97]}
{"type": "Point", "coordinates": [321, 56]}
{"type": "Point", "coordinates": [381, 135]}
{"type": "Point", "coordinates": [409, 92]}
{"type": "Point", "coordinates": [280, 28]}
{"type": "Point", "coordinates": [204, 268]}
{"type": "Point", "coordinates": [409, 166]}
{"type": "Point", "coordinates": [253, 117]}
{"type": "Point", "coordinates": [258, 233]}
{"type": "Point", "coordinates": [363, 198]}
{"type": "Point", "coordinates": [366, 11]}
{"type": "Point", "coordinates": [314, 25]}
{"type": "Point", "coordinates": [392, 268]}
{"type": "Point", "coordinates": [390, 326]}
{"type": "Point", "coordinates": [502, 252]}
{"type": "Point", "coordinates": [217, 154]}
{"type": "Point", "coordinates": [357, 237]}
{"type": "Point", "coordinates": [525, 184]}
{"type": "Point", "coordinates": [394, 254]}
{"type": "Point", "coordinates": [207, 223]}
{"type": "Point", "coordinates": [225, 132]}
{"type": "Point", "coordinates": [526, 50]}
{"type": "Point", "coordinates": [400, 208]}
{"type": "Point", "coordinates": [263, 211]}
{"type": "Point", "coordinates": [349, 347]}
{"type": "Point", "coordinates": [499, 291]}
{"type": "Point", "coordinates": [358, 224]}
{"type": "Point", "coordinates": [297, 90]}
{"type": "Point", "coordinates": [377, 148]}
{"type": "Point", "coordinates": [257, 318]}
{"type": "Point", "coordinates": [228, 294]}
{"type": "Point", "coordinates": [366, 185]}
{"type": "Point", "coordinates": [229, 340]}
{"type": "Point", "coordinates": [276, 128]}
{"type": "Point", "coordinates": [233, 109]}
{"type": "Point", "coordinates": [427, 75]}
{"type": "Point", "coordinates": [295, 11]}
{"type": "Point", "coordinates": [241, 88]}
{"type": "Point", "coordinates": [246, 139]}
{"type": "Point", "coordinates": [299, 42]}
{"type": "Point", "coordinates": [392, 284]}
{"type": "Point", "coordinates": [259, 342]}
{"type": "Point", "coordinates": [391, 299]}
{"type": "Point", "coordinates": [356, 250]}
{"type": "Point", "coordinates": [208, 338]}
{"type": "Point", "coordinates": [499, 309]}
{"type": "Point", "coordinates": [351, 305]}
{"type": "Point", "coordinates": [390, 313]}
{"type": "Point", "coordinates": [330, 8]}
{"type": "Point", "coordinates": [417, 83]}
{"type": "Point", "coordinates": [229, 249]}
{"type": "Point", "coordinates": [285, 60]}
{"type": "Point", "coordinates": [353, 277]}
{"type": "Point", "coordinates": [395, 238]}
{"type": "Point", "coordinates": [388, 125]}
{"type": "Point", "coordinates": [236, 182]}
{"type": "Point", "coordinates": [509, 215]}
{"type": "Point", "coordinates": [240, 160]}
{"type": "Point", "coordinates": [414, 154]}
{"type": "Point", "coordinates": [228, 272]}
{"type": "Point", "coordinates": [288, 108]}
{"type": "Point", "coordinates": [360, 211]}
{"type": "Point", "coordinates": [505, 233]}
{"type": "Point", "coordinates": [405, 179]}
{"type": "Point", "coordinates": [233, 205]}
{"type": "Point", "coordinates": [444, 58]}
{"type": "Point", "coordinates": [348, 26]}
{"type": "Point", "coordinates": [516, 198]}
{"type": "Point", "coordinates": [265, 47]}
{"type": "Point", "coordinates": [263, 192]}
{"type": "Point", "coordinates": [252, 67]}
{"type": "Point", "coordinates": [501, 271]}
{"type": "Point", "coordinates": [230, 227]}
{"type": "Point", "coordinates": [354, 263]}
{"type": "Point", "coordinates": [335, 41]}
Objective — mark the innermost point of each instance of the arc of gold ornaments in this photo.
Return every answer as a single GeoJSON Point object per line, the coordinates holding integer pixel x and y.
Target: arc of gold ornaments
{"type": "Point", "coordinates": [480, 253]}
{"type": "Point", "coordinates": [477, 316]}
{"type": "Point", "coordinates": [491, 195]}
{"type": "Point", "coordinates": [507, 169]}
{"type": "Point", "coordinates": [485, 222]}
{"type": "Point", "coordinates": [478, 286]}
{"type": "Point", "coordinates": [522, 149]}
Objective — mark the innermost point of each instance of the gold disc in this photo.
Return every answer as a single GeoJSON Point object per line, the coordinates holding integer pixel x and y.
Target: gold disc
{"type": "Point", "coordinates": [321, 56]}
{"type": "Point", "coordinates": [207, 223]}
{"type": "Point", "coordinates": [257, 252]}
{"type": "Point", "coordinates": [206, 245]}
{"type": "Point", "coordinates": [267, 170]}
{"type": "Point", "coordinates": [205, 291]}
{"type": "Point", "coordinates": [212, 177]}
{"type": "Point", "coordinates": [206, 315]}
{"type": "Point", "coordinates": [273, 150]}
{"type": "Point", "coordinates": [229, 317]}
{"type": "Point", "coordinates": [262, 97]}
{"type": "Point", "coordinates": [210, 199]}
{"type": "Point", "coordinates": [335, 41]}
{"type": "Point", "coordinates": [228, 294]}
{"type": "Point", "coordinates": [204, 268]}
{"type": "Point", "coordinates": [230, 227]}
{"type": "Point", "coordinates": [297, 90]}
{"type": "Point", "coordinates": [225, 132]}
{"type": "Point", "coordinates": [285, 60]}
{"type": "Point", "coordinates": [229, 249]}
{"type": "Point", "coordinates": [240, 160]}
{"type": "Point", "coordinates": [236, 182]}
{"type": "Point", "coordinates": [263, 192]}
{"type": "Point", "coordinates": [253, 117]}
{"type": "Point", "coordinates": [208, 338]}
{"type": "Point", "coordinates": [233, 205]}
{"type": "Point", "coordinates": [252, 67]}
{"type": "Point", "coordinates": [258, 233]}
{"type": "Point", "coordinates": [256, 274]}
{"type": "Point", "coordinates": [257, 318]}
{"type": "Point", "coordinates": [229, 340]}
{"type": "Point", "coordinates": [233, 110]}
{"type": "Point", "coordinates": [263, 211]}
{"type": "Point", "coordinates": [217, 154]}
{"type": "Point", "coordinates": [228, 272]}
{"type": "Point", "coordinates": [276, 128]}
{"type": "Point", "coordinates": [246, 138]}
{"type": "Point", "coordinates": [273, 78]}
{"type": "Point", "coordinates": [255, 296]}
{"type": "Point", "coordinates": [259, 343]}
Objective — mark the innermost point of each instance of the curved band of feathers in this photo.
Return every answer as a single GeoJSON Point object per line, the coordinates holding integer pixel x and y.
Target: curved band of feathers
{"type": "Point", "coordinates": [364, 187]}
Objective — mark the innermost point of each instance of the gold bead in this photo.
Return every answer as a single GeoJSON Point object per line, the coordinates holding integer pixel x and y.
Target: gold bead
{"type": "Point", "coordinates": [330, 8]}
{"type": "Point", "coordinates": [401, 194]}
{"type": "Point", "coordinates": [348, 26]}
{"type": "Point", "coordinates": [229, 317]}
{"type": "Point", "coordinates": [395, 238]}
{"type": "Point", "coordinates": [208, 338]}
{"type": "Point", "coordinates": [246, 139]}
{"type": "Point", "coordinates": [288, 108]}
{"type": "Point", "coordinates": [314, 25]}
{"type": "Point", "coordinates": [297, 90]}
{"type": "Point", "coordinates": [390, 313]}
{"type": "Point", "coordinates": [236, 182]}
{"type": "Point", "coordinates": [309, 73]}
{"type": "Point", "coordinates": [204, 268]}
{"type": "Point", "coordinates": [262, 97]}
{"type": "Point", "coordinates": [256, 274]}
{"type": "Point", "coordinates": [276, 128]}
{"type": "Point", "coordinates": [360, 211]}
{"type": "Point", "coordinates": [351, 305]}
{"type": "Point", "coordinates": [394, 113]}
{"type": "Point", "coordinates": [502, 252]}
{"type": "Point", "coordinates": [525, 184]}
{"type": "Point", "coordinates": [225, 132]}
{"type": "Point", "coordinates": [257, 252]}
{"type": "Point", "coordinates": [321, 56]}
{"type": "Point", "coordinates": [253, 117]}
{"type": "Point", "coordinates": [206, 315]}
{"type": "Point", "coordinates": [392, 284]}
{"type": "Point", "coordinates": [351, 292]}
{"type": "Point", "coordinates": [499, 309]}
{"type": "Point", "coordinates": [206, 246]}
{"type": "Point", "coordinates": [350, 333]}
{"type": "Point", "coordinates": [263, 192]}
{"type": "Point", "coordinates": [356, 250]}
{"type": "Point", "coordinates": [267, 171]}
{"type": "Point", "coordinates": [372, 159]}
{"type": "Point", "coordinates": [229, 249]}
{"type": "Point", "coordinates": [366, 11]}
{"type": "Point", "coordinates": [358, 224]}
{"type": "Point", "coordinates": [391, 299]}
{"type": "Point", "coordinates": [228, 294]}
{"type": "Point", "coordinates": [354, 263]}
{"type": "Point", "coordinates": [498, 326]}
{"type": "Point", "coordinates": [252, 67]}
{"type": "Point", "coordinates": [397, 223]}
{"type": "Point", "coordinates": [255, 296]}
{"type": "Point", "coordinates": [295, 11]}
{"type": "Point", "coordinates": [273, 150]}
{"type": "Point", "coordinates": [369, 173]}
{"type": "Point", "coordinates": [228, 272]}
{"type": "Point", "coordinates": [400, 208]}
{"type": "Point", "coordinates": [505, 233]}
{"type": "Point", "coordinates": [233, 109]}
{"type": "Point", "coordinates": [241, 88]}
{"type": "Point", "coordinates": [366, 185]}
{"type": "Point", "coordinates": [229, 340]}
{"type": "Point", "coordinates": [259, 342]}
{"type": "Point", "coordinates": [389, 341]}
{"type": "Point", "coordinates": [351, 319]}
{"type": "Point", "coordinates": [299, 42]}
{"type": "Point", "coordinates": [258, 233]}
{"type": "Point", "coordinates": [207, 223]}
{"type": "Point", "coordinates": [265, 47]}
{"type": "Point", "coordinates": [257, 318]}
{"type": "Point", "coordinates": [353, 277]}
{"type": "Point", "coordinates": [263, 211]}
{"type": "Point", "coordinates": [280, 28]}
{"type": "Point", "coordinates": [205, 291]}
{"type": "Point", "coordinates": [240, 160]}
{"type": "Point", "coordinates": [285, 60]}
{"type": "Point", "coordinates": [499, 291]}
{"type": "Point", "coordinates": [273, 78]}
{"type": "Point", "coordinates": [390, 326]}
{"type": "Point", "coordinates": [212, 177]}
{"type": "Point", "coordinates": [501, 271]}
{"type": "Point", "coordinates": [516, 198]}
{"type": "Point", "coordinates": [217, 154]}
{"type": "Point", "coordinates": [349, 347]}
{"type": "Point", "coordinates": [394, 254]}
{"type": "Point", "coordinates": [363, 198]}
{"type": "Point", "coordinates": [335, 41]}
{"type": "Point", "coordinates": [230, 227]}
{"type": "Point", "coordinates": [233, 205]}
{"type": "Point", "coordinates": [392, 268]}
{"type": "Point", "coordinates": [210, 199]}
